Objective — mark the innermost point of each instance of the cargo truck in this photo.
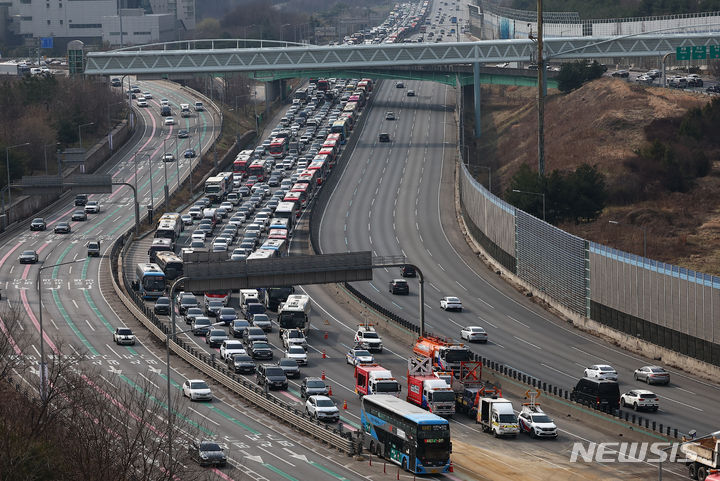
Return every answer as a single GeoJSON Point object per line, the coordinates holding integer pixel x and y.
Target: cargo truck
{"type": "Point", "coordinates": [431, 393]}
{"type": "Point", "coordinates": [702, 455]}
{"type": "Point", "coordinates": [375, 379]}
{"type": "Point", "coordinates": [497, 416]}
{"type": "Point", "coordinates": [446, 355]}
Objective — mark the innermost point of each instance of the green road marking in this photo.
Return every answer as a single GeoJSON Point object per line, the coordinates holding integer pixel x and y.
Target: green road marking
{"type": "Point", "coordinates": [280, 472]}
{"type": "Point", "coordinates": [295, 392]}
{"type": "Point", "coordinates": [355, 425]}
{"type": "Point", "coordinates": [233, 420]}
{"type": "Point", "coordinates": [174, 384]}
{"type": "Point", "coordinates": [326, 470]}
{"type": "Point", "coordinates": [62, 310]}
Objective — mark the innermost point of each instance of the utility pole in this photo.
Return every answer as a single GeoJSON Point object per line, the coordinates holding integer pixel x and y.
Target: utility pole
{"type": "Point", "coordinates": [541, 92]}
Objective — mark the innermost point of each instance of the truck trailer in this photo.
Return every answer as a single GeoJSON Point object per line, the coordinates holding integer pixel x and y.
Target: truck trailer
{"type": "Point", "coordinates": [702, 455]}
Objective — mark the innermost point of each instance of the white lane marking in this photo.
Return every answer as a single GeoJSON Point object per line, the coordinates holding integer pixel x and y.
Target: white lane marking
{"type": "Point", "coordinates": [427, 306]}
{"type": "Point", "coordinates": [148, 380]}
{"type": "Point", "coordinates": [433, 286]}
{"type": "Point", "coordinates": [591, 355]}
{"type": "Point", "coordinates": [689, 392]}
{"type": "Point", "coordinates": [88, 323]}
{"type": "Point", "coordinates": [19, 324]}
{"type": "Point", "coordinates": [456, 282]}
{"type": "Point", "coordinates": [371, 285]}
{"type": "Point", "coordinates": [428, 251]}
{"type": "Point", "coordinates": [486, 303]}
{"type": "Point", "coordinates": [107, 381]}
{"type": "Point", "coordinates": [558, 371]}
{"type": "Point", "coordinates": [54, 325]}
{"type": "Point", "coordinates": [70, 270]}
{"type": "Point", "coordinates": [441, 267]}
{"type": "Point", "coordinates": [528, 343]}
{"type": "Point", "coordinates": [202, 415]}
{"type": "Point", "coordinates": [117, 219]}
{"type": "Point", "coordinates": [519, 322]}
{"type": "Point", "coordinates": [499, 345]}
{"type": "Point", "coordinates": [276, 456]}
{"type": "Point", "coordinates": [679, 402]}
{"type": "Point", "coordinates": [456, 323]}
{"type": "Point", "coordinates": [485, 320]}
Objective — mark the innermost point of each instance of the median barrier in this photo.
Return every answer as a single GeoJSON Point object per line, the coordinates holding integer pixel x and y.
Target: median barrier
{"type": "Point", "coordinates": [332, 437]}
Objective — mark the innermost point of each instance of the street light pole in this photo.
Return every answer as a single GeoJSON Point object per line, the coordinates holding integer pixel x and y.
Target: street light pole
{"type": "Point", "coordinates": [167, 191]}
{"type": "Point", "coordinates": [644, 230]}
{"type": "Point", "coordinates": [43, 364]}
{"type": "Point", "coordinates": [7, 167]}
{"type": "Point", "coordinates": [80, 131]}
{"type": "Point", "coordinates": [534, 193]}
{"type": "Point", "coordinates": [169, 338]}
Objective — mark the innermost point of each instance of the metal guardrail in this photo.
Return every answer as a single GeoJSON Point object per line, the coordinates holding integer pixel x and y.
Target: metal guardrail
{"type": "Point", "coordinates": [343, 441]}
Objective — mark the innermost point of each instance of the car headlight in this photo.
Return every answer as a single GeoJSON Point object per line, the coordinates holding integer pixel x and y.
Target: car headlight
{"type": "Point", "coordinates": [203, 456]}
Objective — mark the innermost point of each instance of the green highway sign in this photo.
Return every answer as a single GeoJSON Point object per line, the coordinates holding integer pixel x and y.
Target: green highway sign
{"type": "Point", "coordinates": [698, 52]}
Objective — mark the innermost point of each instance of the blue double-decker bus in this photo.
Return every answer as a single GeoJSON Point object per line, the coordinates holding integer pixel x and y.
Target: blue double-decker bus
{"type": "Point", "coordinates": [405, 434]}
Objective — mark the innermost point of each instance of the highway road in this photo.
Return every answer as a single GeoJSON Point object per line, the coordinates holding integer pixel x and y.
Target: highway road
{"type": "Point", "coordinates": [78, 314]}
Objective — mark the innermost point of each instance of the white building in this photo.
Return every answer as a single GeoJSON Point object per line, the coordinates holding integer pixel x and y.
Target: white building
{"type": "Point", "coordinates": [138, 28]}
{"type": "Point", "coordinates": [93, 21]}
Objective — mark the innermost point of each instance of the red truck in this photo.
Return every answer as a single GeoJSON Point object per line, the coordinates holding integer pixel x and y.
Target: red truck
{"type": "Point", "coordinates": [375, 379]}
{"type": "Point", "coordinates": [431, 393]}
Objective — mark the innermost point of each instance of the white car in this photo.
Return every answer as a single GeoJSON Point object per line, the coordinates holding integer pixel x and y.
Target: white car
{"type": "Point", "coordinates": [169, 121]}
{"type": "Point", "coordinates": [147, 95]}
{"type": "Point", "coordinates": [231, 347]}
{"type": "Point", "coordinates": [322, 408]}
{"type": "Point", "coordinates": [228, 206]}
{"type": "Point", "coordinates": [536, 423]}
{"type": "Point", "coordinates": [198, 236]}
{"type": "Point", "coordinates": [92, 207]}
{"type": "Point", "coordinates": [298, 353]}
{"type": "Point", "coordinates": [450, 303]}
{"type": "Point", "coordinates": [164, 102]}
{"type": "Point", "coordinates": [293, 337]}
{"type": "Point", "coordinates": [197, 390]}
{"type": "Point", "coordinates": [640, 399]}
{"type": "Point", "coordinates": [142, 103]}
{"type": "Point", "coordinates": [474, 334]}
{"type": "Point", "coordinates": [601, 371]}
{"type": "Point", "coordinates": [359, 356]}
{"type": "Point", "coordinates": [123, 335]}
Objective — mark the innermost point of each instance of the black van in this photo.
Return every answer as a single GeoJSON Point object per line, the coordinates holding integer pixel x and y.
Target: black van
{"type": "Point", "coordinates": [598, 393]}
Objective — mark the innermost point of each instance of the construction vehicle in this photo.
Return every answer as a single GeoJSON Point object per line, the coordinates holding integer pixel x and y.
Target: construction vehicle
{"type": "Point", "coordinates": [497, 416]}
{"type": "Point", "coordinates": [701, 455]}
{"type": "Point", "coordinates": [432, 394]}
{"type": "Point", "coordinates": [469, 388]}
{"type": "Point", "coordinates": [446, 354]}
{"type": "Point", "coordinates": [427, 390]}
{"type": "Point", "coordinates": [375, 379]}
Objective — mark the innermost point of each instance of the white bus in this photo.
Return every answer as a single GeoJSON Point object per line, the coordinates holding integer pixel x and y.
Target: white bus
{"type": "Point", "coordinates": [169, 229]}
{"type": "Point", "coordinates": [286, 210]}
{"type": "Point", "coordinates": [278, 246]}
{"type": "Point", "coordinates": [261, 254]}
{"type": "Point", "coordinates": [295, 313]}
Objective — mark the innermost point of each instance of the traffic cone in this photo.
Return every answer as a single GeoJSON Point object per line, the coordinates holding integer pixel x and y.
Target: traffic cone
{"type": "Point", "coordinates": [326, 334]}
{"type": "Point", "coordinates": [344, 404]}
{"type": "Point", "coordinates": [324, 356]}
{"type": "Point", "coordinates": [451, 470]}
{"type": "Point", "coordinates": [323, 375]}
{"type": "Point", "coordinates": [329, 390]}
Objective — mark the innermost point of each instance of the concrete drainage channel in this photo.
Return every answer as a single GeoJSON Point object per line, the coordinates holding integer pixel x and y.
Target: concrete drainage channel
{"type": "Point", "coordinates": [332, 436]}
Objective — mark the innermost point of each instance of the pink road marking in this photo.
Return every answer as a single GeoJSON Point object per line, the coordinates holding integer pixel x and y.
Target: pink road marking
{"type": "Point", "coordinates": [348, 427]}
{"type": "Point", "coordinates": [222, 475]}
{"type": "Point", "coordinates": [61, 216]}
{"type": "Point", "coordinates": [27, 267]}
{"type": "Point", "coordinates": [290, 396]}
{"type": "Point", "coordinates": [31, 314]}
{"type": "Point", "coordinates": [2, 261]}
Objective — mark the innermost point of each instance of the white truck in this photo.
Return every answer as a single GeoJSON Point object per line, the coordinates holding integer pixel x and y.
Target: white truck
{"type": "Point", "coordinates": [367, 338]}
{"type": "Point", "coordinates": [216, 188]}
{"type": "Point", "coordinates": [497, 416]}
{"type": "Point", "coordinates": [702, 455]}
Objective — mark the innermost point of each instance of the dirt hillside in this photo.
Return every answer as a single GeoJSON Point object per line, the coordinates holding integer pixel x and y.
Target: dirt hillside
{"type": "Point", "coordinates": [602, 124]}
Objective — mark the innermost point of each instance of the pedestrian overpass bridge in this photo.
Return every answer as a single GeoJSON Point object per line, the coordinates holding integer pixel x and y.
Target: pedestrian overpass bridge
{"type": "Point", "coordinates": [221, 56]}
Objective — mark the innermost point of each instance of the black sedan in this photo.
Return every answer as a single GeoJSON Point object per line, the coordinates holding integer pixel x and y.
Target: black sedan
{"type": "Point", "coordinates": [242, 364]}
{"type": "Point", "coordinates": [290, 366]}
{"type": "Point", "coordinates": [260, 350]}
{"type": "Point", "coordinates": [62, 228]}
{"type": "Point", "coordinates": [215, 337]}
{"type": "Point", "coordinates": [189, 153]}
{"type": "Point", "coordinates": [38, 223]}
{"type": "Point", "coordinates": [183, 134]}
{"type": "Point", "coordinates": [28, 257]}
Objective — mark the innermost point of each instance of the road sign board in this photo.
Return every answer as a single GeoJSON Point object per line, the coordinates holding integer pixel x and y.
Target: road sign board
{"type": "Point", "coordinates": [697, 52]}
{"type": "Point", "coordinates": [683, 53]}
{"type": "Point", "coordinates": [419, 366]}
{"type": "Point", "coordinates": [46, 42]}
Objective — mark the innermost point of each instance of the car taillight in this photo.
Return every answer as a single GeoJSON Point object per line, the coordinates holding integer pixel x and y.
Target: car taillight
{"type": "Point", "coordinates": [597, 400]}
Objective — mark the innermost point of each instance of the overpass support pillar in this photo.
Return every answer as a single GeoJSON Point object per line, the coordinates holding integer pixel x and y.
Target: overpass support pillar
{"type": "Point", "coordinates": [476, 97]}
